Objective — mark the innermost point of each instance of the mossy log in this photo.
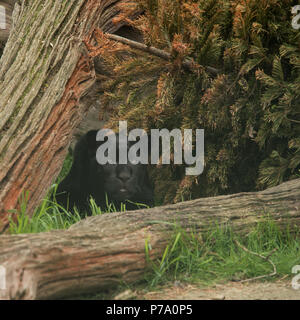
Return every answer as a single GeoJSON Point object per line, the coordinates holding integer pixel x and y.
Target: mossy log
{"type": "Point", "coordinates": [101, 251]}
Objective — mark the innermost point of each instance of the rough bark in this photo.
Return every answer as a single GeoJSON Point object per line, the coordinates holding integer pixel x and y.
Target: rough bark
{"type": "Point", "coordinates": [101, 251]}
{"type": "Point", "coordinates": [45, 76]}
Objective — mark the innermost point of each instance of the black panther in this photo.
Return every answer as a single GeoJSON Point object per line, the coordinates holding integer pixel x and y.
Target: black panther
{"type": "Point", "coordinates": [117, 183]}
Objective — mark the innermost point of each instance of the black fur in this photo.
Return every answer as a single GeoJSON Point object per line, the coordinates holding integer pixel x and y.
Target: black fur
{"type": "Point", "coordinates": [87, 178]}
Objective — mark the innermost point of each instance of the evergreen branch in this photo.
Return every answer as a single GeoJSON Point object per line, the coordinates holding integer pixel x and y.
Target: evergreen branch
{"type": "Point", "coordinates": [187, 63]}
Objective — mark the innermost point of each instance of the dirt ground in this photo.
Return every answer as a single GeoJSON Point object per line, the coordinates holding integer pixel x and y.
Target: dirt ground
{"type": "Point", "coordinates": [280, 290]}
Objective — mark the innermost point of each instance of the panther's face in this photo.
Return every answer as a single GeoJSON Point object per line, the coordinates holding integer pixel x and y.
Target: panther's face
{"type": "Point", "coordinates": [122, 182]}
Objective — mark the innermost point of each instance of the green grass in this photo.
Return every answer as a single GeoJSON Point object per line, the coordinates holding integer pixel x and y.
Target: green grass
{"type": "Point", "coordinates": [48, 216]}
{"type": "Point", "coordinates": [52, 216]}
{"type": "Point", "coordinates": [216, 255]}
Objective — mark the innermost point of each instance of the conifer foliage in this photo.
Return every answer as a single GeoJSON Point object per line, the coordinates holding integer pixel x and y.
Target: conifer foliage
{"type": "Point", "coordinates": [250, 110]}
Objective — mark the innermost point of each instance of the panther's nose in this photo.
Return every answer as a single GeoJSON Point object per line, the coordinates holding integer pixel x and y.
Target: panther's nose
{"type": "Point", "coordinates": [124, 174]}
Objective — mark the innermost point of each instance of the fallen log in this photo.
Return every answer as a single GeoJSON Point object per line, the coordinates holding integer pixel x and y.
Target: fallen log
{"type": "Point", "coordinates": [99, 252]}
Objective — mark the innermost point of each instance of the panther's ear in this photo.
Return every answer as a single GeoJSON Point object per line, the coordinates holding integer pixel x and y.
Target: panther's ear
{"type": "Point", "coordinates": [91, 141]}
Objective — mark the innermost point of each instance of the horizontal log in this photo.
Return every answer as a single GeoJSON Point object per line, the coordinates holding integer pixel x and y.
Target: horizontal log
{"type": "Point", "coordinates": [99, 252]}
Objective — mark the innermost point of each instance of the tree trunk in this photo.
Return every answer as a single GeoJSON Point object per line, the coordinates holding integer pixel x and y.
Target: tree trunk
{"type": "Point", "coordinates": [45, 75]}
{"type": "Point", "coordinates": [101, 251]}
